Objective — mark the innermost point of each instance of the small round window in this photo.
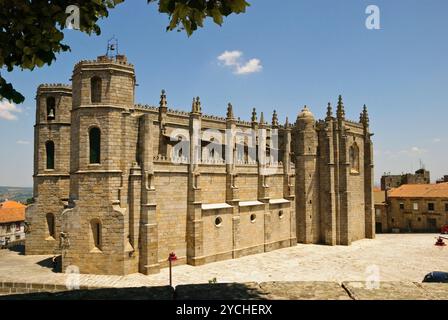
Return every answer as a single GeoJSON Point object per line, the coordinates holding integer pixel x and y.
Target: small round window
{"type": "Point", "coordinates": [218, 221]}
{"type": "Point", "coordinates": [253, 217]}
{"type": "Point", "coordinates": [281, 214]}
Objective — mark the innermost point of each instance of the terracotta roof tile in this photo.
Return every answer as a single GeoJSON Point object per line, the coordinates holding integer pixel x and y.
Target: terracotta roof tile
{"type": "Point", "coordinates": [420, 191]}
{"type": "Point", "coordinates": [11, 204]}
{"type": "Point", "coordinates": [11, 211]}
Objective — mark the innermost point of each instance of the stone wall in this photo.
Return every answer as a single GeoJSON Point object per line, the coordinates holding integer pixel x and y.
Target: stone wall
{"type": "Point", "coordinates": [171, 199]}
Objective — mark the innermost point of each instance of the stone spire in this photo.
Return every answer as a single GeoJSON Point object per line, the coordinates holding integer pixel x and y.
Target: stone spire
{"type": "Point", "coordinates": [262, 118]}
{"type": "Point", "coordinates": [230, 112]}
{"type": "Point", "coordinates": [340, 110]}
{"type": "Point", "coordinates": [329, 112]}
{"type": "Point", "coordinates": [163, 102]}
{"type": "Point", "coordinates": [287, 126]}
{"type": "Point", "coordinates": [275, 119]}
{"type": "Point", "coordinates": [196, 107]}
{"type": "Point", "coordinates": [364, 118]}
{"type": "Point", "coordinates": [254, 115]}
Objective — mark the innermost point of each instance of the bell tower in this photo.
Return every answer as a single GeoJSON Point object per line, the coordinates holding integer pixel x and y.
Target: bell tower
{"type": "Point", "coordinates": [51, 167]}
{"type": "Point", "coordinates": [103, 124]}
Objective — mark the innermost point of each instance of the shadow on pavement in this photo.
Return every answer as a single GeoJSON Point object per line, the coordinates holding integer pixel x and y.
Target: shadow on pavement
{"type": "Point", "coordinates": [55, 264]}
{"type": "Point", "coordinates": [231, 291]}
{"type": "Point", "coordinates": [19, 248]}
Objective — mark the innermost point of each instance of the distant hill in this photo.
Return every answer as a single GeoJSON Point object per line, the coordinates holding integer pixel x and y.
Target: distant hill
{"type": "Point", "coordinates": [15, 194]}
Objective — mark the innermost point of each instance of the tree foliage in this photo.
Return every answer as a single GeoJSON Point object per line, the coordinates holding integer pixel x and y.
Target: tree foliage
{"type": "Point", "coordinates": [190, 14]}
{"type": "Point", "coordinates": [31, 32]}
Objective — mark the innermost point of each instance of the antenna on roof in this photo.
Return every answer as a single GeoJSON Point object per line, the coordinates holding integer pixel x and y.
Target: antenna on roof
{"type": "Point", "coordinates": [112, 47]}
{"type": "Point", "coordinates": [422, 165]}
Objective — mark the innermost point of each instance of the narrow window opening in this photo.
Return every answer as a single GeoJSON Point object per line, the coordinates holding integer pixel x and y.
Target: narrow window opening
{"type": "Point", "coordinates": [95, 145]}
{"type": "Point", "coordinates": [49, 150]}
{"type": "Point", "coordinates": [95, 89]}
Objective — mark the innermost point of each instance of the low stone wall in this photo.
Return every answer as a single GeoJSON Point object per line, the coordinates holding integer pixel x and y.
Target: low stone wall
{"type": "Point", "coordinates": [20, 288]}
{"type": "Point", "coordinates": [235, 291]}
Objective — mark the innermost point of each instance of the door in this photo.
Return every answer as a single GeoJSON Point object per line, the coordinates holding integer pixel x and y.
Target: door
{"type": "Point", "coordinates": [432, 225]}
{"type": "Point", "coordinates": [409, 225]}
{"type": "Point", "coordinates": [378, 227]}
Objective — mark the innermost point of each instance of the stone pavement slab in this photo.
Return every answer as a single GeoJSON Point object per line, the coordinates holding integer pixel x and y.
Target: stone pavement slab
{"type": "Point", "coordinates": [398, 290]}
{"type": "Point", "coordinates": [220, 291]}
{"type": "Point", "coordinates": [437, 291]}
{"type": "Point", "coordinates": [301, 290]}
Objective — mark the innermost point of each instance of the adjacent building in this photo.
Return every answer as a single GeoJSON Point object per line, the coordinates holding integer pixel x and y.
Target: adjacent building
{"type": "Point", "coordinates": [381, 211]}
{"type": "Point", "coordinates": [118, 186]}
{"type": "Point", "coordinates": [12, 222]}
{"type": "Point", "coordinates": [418, 208]}
{"type": "Point", "coordinates": [443, 179]}
{"type": "Point", "coordinates": [420, 176]}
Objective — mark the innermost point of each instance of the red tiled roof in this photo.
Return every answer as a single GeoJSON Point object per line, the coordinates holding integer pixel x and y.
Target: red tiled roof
{"type": "Point", "coordinates": [420, 191]}
{"type": "Point", "coordinates": [11, 211]}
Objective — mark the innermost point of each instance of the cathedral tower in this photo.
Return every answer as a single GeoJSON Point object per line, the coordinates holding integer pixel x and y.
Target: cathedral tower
{"type": "Point", "coordinates": [100, 234]}
{"type": "Point", "coordinates": [51, 167]}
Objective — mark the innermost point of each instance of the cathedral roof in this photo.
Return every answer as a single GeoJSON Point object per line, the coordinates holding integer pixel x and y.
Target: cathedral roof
{"type": "Point", "coordinates": [306, 114]}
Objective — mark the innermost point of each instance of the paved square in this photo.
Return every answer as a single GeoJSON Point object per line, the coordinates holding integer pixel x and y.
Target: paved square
{"type": "Point", "coordinates": [398, 257]}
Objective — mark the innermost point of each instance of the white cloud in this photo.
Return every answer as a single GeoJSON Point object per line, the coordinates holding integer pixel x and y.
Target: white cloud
{"type": "Point", "coordinates": [254, 65]}
{"type": "Point", "coordinates": [230, 58]}
{"type": "Point", "coordinates": [234, 60]}
{"type": "Point", "coordinates": [413, 151]}
{"type": "Point", "coordinates": [436, 140]}
{"type": "Point", "coordinates": [417, 150]}
{"type": "Point", "coordinates": [22, 142]}
{"type": "Point", "coordinates": [8, 110]}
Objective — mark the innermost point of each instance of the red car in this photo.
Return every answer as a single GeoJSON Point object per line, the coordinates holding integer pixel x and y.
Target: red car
{"type": "Point", "coordinates": [444, 229]}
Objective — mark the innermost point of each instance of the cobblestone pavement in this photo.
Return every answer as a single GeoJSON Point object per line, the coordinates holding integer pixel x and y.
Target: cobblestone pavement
{"type": "Point", "coordinates": [397, 257]}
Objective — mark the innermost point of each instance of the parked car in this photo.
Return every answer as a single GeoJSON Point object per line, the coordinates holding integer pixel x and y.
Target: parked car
{"type": "Point", "coordinates": [444, 229]}
{"type": "Point", "coordinates": [437, 277]}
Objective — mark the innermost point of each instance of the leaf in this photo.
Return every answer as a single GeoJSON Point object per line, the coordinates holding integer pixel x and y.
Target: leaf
{"type": "Point", "coordinates": [217, 16]}
{"type": "Point", "coordinates": [27, 50]}
{"type": "Point", "coordinates": [39, 62]}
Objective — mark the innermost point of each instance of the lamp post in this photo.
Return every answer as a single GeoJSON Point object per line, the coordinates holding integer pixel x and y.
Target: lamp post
{"type": "Point", "coordinates": [172, 257]}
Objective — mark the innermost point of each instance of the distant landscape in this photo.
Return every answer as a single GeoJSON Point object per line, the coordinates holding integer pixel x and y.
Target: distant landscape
{"type": "Point", "coordinates": [16, 194]}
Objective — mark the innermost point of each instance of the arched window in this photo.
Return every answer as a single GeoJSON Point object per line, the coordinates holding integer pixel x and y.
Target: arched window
{"type": "Point", "coordinates": [95, 145]}
{"type": "Point", "coordinates": [51, 108]}
{"type": "Point", "coordinates": [49, 149]}
{"type": "Point", "coordinates": [96, 233]}
{"type": "Point", "coordinates": [51, 225]}
{"type": "Point", "coordinates": [95, 89]}
{"type": "Point", "coordinates": [245, 152]}
{"type": "Point", "coordinates": [354, 158]}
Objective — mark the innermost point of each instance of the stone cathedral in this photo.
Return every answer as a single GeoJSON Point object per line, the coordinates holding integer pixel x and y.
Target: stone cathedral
{"type": "Point", "coordinates": [114, 193]}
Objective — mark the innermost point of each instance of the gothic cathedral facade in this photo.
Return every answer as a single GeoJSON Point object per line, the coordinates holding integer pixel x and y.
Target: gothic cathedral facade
{"type": "Point", "coordinates": [115, 194]}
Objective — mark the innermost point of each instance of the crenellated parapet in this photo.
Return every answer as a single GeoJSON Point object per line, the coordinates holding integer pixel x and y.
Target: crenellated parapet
{"type": "Point", "coordinates": [106, 60]}
{"type": "Point", "coordinates": [52, 86]}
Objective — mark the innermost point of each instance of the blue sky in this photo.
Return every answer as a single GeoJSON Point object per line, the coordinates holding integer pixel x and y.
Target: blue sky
{"type": "Point", "coordinates": [305, 51]}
